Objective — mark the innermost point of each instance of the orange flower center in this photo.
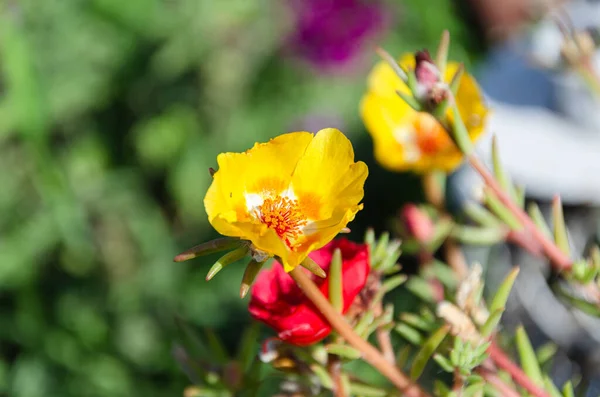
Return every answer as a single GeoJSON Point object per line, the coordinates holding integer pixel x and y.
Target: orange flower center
{"type": "Point", "coordinates": [431, 137]}
{"type": "Point", "coordinates": [283, 215]}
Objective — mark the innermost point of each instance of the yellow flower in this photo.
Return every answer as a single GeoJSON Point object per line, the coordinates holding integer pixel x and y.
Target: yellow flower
{"type": "Point", "coordinates": [289, 196]}
{"type": "Point", "coordinates": [407, 140]}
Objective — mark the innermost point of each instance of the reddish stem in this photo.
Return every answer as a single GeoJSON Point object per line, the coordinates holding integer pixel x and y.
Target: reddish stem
{"type": "Point", "coordinates": [558, 258]}
{"type": "Point", "coordinates": [504, 362]}
{"type": "Point", "coordinates": [493, 379]}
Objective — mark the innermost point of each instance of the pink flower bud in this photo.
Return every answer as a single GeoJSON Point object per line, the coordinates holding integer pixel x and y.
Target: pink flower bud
{"type": "Point", "coordinates": [417, 223]}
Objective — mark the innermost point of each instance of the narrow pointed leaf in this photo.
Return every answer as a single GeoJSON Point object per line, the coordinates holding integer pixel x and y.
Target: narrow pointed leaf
{"type": "Point", "coordinates": [362, 324]}
{"type": "Point", "coordinates": [551, 388]}
{"type": "Point", "coordinates": [335, 281]}
{"type": "Point", "coordinates": [227, 259]}
{"type": "Point", "coordinates": [538, 218]}
{"type": "Point", "coordinates": [417, 322]}
{"type": "Point", "coordinates": [481, 215]}
{"type": "Point", "coordinates": [500, 210]}
{"type": "Point", "coordinates": [210, 247]}
{"type": "Point", "coordinates": [410, 334]}
{"type": "Point", "coordinates": [501, 297]}
{"type": "Point", "coordinates": [491, 323]}
{"type": "Point", "coordinates": [393, 282]}
{"type": "Point", "coordinates": [478, 235]}
{"type": "Point", "coordinates": [420, 288]}
{"type": "Point", "coordinates": [560, 229]}
{"type": "Point", "coordinates": [441, 56]}
{"type": "Point", "coordinates": [441, 389]}
{"type": "Point", "coordinates": [568, 390]}
{"type": "Point", "coordinates": [393, 64]}
{"type": "Point", "coordinates": [443, 362]}
{"type": "Point", "coordinates": [583, 305]}
{"type": "Point", "coordinates": [312, 266]}
{"type": "Point", "coordinates": [411, 82]}
{"type": "Point", "coordinates": [252, 269]}
{"type": "Point", "coordinates": [520, 196]}
{"type": "Point", "coordinates": [344, 351]}
{"type": "Point", "coordinates": [381, 247]}
{"type": "Point", "coordinates": [323, 376]}
{"type": "Point", "coordinates": [441, 271]}
{"type": "Point", "coordinates": [455, 82]}
{"type": "Point", "coordinates": [546, 352]}
{"type": "Point", "coordinates": [527, 356]}
{"type": "Point", "coordinates": [410, 100]}
{"type": "Point", "coordinates": [403, 355]}
{"type": "Point", "coordinates": [501, 175]}
{"type": "Point", "coordinates": [370, 240]}
{"type": "Point", "coordinates": [443, 227]}
{"type": "Point", "coordinates": [427, 350]}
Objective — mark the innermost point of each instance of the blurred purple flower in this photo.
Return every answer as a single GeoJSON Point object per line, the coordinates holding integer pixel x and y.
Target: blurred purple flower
{"type": "Point", "coordinates": [331, 33]}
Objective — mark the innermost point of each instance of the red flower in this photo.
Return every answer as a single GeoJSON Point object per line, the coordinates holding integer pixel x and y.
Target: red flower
{"type": "Point", "coordinates": [277, 301]}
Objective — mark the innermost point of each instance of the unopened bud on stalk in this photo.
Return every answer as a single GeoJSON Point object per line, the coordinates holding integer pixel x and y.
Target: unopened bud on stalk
{"type": "Point", "coordinates": [417, 223]}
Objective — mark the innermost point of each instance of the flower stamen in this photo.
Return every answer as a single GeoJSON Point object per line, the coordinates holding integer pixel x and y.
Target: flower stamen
{"type": "Point", "coordinates": [283, 215]}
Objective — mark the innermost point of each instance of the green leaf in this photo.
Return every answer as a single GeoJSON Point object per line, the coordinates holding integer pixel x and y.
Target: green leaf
{"type": "Point", "coordinates": [568, 390]}
{"type": "Point", "coordinates": [252, 269]}
{"type": "Point", "coordinates": [491, 323]}
{"type": "Point", "coordinates": [583, 305]}
{"type": "Point", "coordinates": [410, 334]}
{"type": "Point", "coordinates": [370, 240]}
{"type": "Point", "coordinates": [210, 247]}
{"type": "Point", "coordinates": [380, 250]}
{"type": "Point", "coordinates": [441, 271]}
{"type": "Point", "coordinates": [343, 351]}
{"type": "Point", "coordinates": [323, 376]}
{"type": "Point", "coordinates": [501, 211]}
{"type": "Point", "coordinates": [501, 175]}
{"type": "Point", "coordinates": [538, 219]}
{"type": "Point", "coordinates": [441, 57]}
{"type": "Point", "coordinates": [459, 131]}
{"type": "Point", "coordinates": [417, 322]}
{"type": "Point", "coordinates": [443, 227]}
{"type": "Point", "coordinates": [528, 358]}
{"type": "Point", "coordinates": [410, 100]}
{"type": "Point", "coordinates": [313, 267]}
{"type": "Point", "coordinates": [501, 297]}
{"type": "Point", "coordinates": [363, 323]}
{"type": "Point", "coordinates": [478, 235]}
{"type": "Point", "coordinates": [551, 388]}
{"type": "Point", "coordinates": [545, 353]}
{"type": "Point", "coordinates": [560, 229]}
{"type": "Point", "coordinates": [427, 351]}
{"type": "Point", "coordinates": [456, 79]}
{"type": "Point", "coordinates": [401, 73]}
{"type": "Point", "coordinates": [335, 281]}
{"type": "Point", "coordinates": [481, 215]}
{"type": "Point", "coordinates": [420, 288]}
{"type": "Point", "coordinates": [225, 260]}
{"type": "Point", "coordinates": [359, 389]}
{"type": "Point", "coordinates": [443, 362]}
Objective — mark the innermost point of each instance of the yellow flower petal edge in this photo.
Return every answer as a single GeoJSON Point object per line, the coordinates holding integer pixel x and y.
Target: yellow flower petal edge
{"type": "Point", "coordinates": [289, 196]}
{"type": "Point", "coordinates": [407, 140]}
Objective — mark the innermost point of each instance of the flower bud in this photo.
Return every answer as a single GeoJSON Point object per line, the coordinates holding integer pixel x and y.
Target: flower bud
{"type": "Point", "coordinates": [417, 223]}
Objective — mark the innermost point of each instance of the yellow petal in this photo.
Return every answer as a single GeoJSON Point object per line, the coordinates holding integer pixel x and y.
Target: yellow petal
{"type": "Point", "coordinates": [265, 167]}
{"type": "Point", "coordinates": [325, 172]}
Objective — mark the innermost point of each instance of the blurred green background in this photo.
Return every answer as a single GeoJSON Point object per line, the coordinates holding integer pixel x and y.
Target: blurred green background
{"type": "Point", "coordinates": [111, 113]}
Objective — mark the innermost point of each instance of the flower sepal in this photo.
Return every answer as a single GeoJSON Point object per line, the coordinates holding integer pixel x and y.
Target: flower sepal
{"type": "Point", "coordinates": [210, 247]}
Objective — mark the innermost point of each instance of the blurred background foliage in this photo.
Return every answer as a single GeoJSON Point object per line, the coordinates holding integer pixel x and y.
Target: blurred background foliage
{"type": "Point", "coordinates": [111, 113]}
